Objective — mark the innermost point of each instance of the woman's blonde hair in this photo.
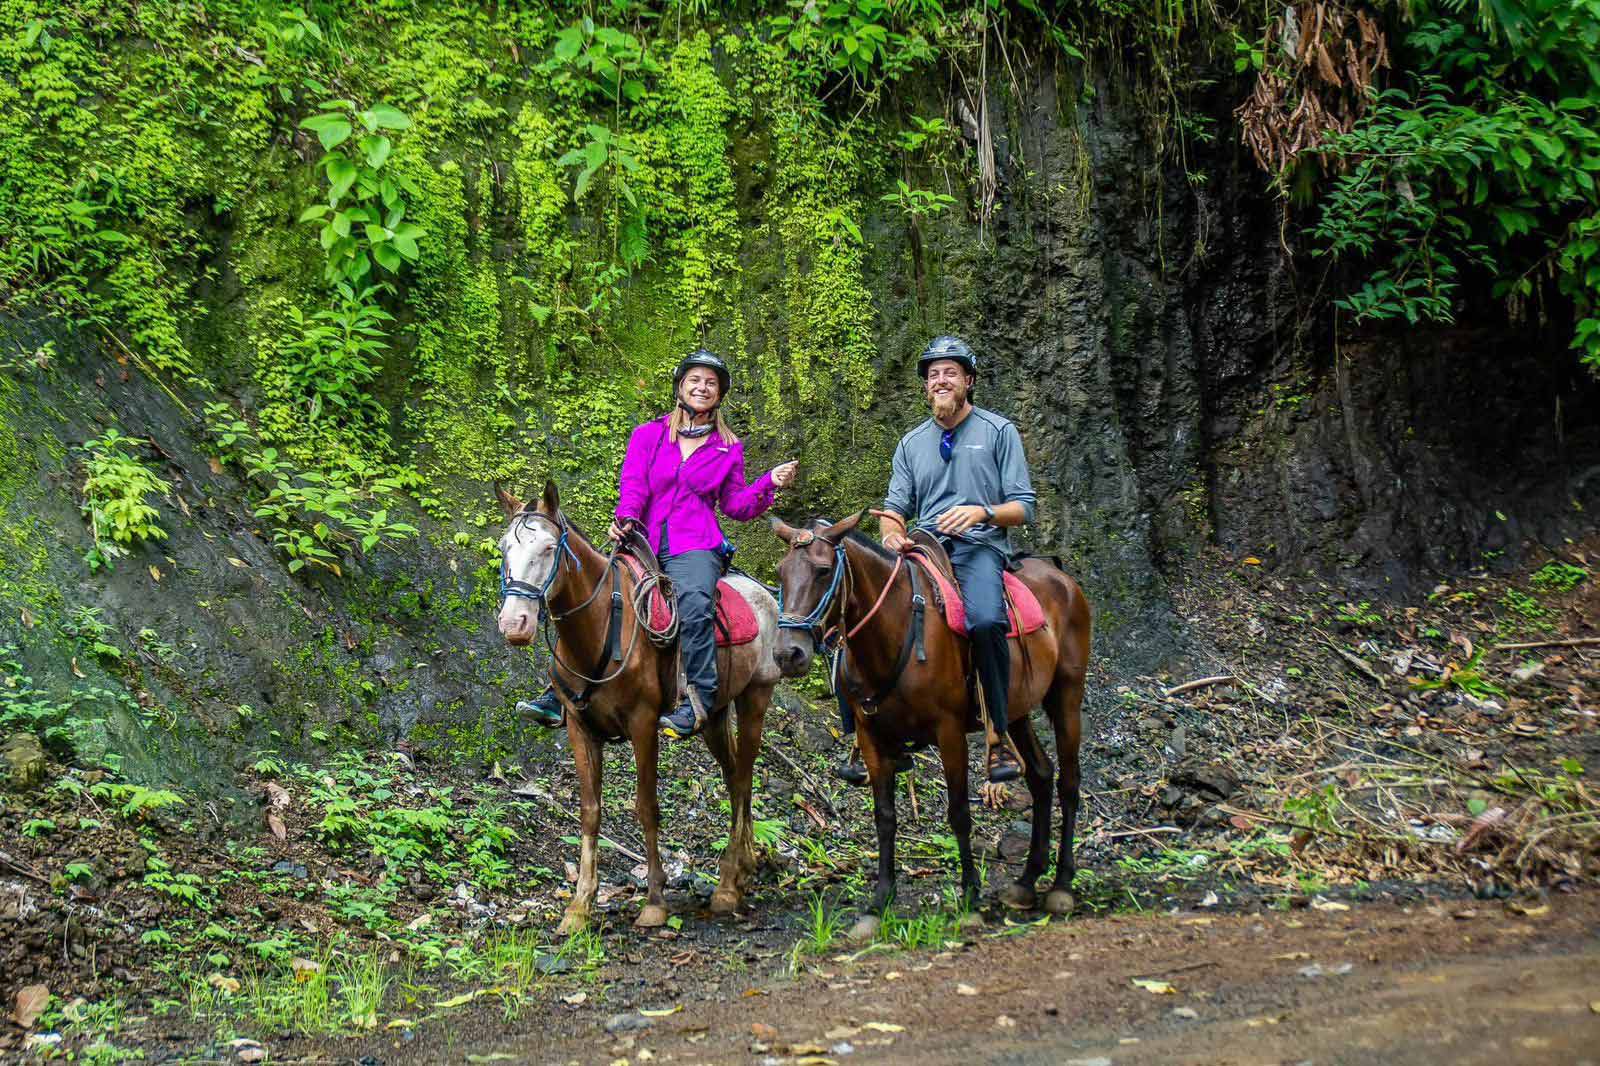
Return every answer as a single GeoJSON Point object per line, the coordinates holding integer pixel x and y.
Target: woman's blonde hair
{"type": "Point", "coordinates": [680, 421]}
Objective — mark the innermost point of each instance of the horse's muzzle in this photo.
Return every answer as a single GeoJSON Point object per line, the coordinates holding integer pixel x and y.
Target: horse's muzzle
{"type": "Point", "coordinates": [518, 631]}
{"type": "Point", "coordinates": [792, 656]}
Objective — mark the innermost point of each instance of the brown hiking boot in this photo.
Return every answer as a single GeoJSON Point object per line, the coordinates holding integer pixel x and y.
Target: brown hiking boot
{"type": "Point", "coordinates": [1003, 764]}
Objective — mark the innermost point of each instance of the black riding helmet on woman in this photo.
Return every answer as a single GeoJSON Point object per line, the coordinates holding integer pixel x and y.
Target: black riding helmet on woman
{"type": "Point", "coordinates": [673, 503]}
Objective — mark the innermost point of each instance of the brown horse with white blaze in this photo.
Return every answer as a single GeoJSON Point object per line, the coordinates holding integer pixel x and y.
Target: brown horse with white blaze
{"type": "Point", "coordinates": [551, 574]}
{"type": "Point", "coordinates": [834, 577]}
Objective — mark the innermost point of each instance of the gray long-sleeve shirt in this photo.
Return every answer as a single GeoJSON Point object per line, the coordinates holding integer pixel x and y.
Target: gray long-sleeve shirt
{"type": "Point", "coordinates": [986, 466]}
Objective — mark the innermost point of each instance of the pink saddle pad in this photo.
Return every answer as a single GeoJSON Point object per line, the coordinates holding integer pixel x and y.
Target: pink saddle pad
{"type": "Point", "coordinates": [736, 619]}
{"type": "Point", "coordinates": [1022, 606]}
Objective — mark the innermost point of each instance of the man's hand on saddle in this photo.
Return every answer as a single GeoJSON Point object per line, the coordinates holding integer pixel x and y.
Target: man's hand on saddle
{"type": "Point", "coordinates": [958, 520]}
{"type": "Point", "coordinates": [783, 476]}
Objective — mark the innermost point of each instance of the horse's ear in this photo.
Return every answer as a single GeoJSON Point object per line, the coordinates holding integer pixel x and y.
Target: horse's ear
{"type": "Point", "coordinates": [510, 503]}
{"type": "Point", "coordinates": [836, 532]}
{"type": "Point", "coordinates": [551, 501]}
{"type": "Point", "coordinates": [785, 532]}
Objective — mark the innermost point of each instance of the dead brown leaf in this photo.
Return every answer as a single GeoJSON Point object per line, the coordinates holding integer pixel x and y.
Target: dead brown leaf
{"type": "Point", "coordinates": [31, 1001]}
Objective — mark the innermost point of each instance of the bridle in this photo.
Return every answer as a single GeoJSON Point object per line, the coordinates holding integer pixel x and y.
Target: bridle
{"type": "Point", "coordinates": [540, 595]}
{"type": "Point", "coordinates": [816, 621]}
{"type": "Point", "coordinates": [836, 640]}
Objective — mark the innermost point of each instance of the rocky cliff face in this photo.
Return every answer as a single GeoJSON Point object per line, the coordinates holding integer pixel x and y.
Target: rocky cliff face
{"type": "Point", "coordinates": [1176, 377]}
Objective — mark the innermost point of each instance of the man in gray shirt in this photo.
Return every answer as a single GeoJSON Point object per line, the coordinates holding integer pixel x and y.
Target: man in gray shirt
{"type": "Point", "coordinates": [962, 474]}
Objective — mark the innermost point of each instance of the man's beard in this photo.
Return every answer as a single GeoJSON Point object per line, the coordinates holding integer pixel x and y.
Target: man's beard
{"type": "Point", "coordinates": [946, 404]}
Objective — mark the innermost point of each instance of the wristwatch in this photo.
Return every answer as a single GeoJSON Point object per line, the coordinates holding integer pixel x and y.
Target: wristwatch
{"type": "Point", "coordinates": [988, 513]}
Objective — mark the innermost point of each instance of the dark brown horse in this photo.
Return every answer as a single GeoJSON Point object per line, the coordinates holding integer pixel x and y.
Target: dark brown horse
{"type": "Point", "coordinates": [835, 577]}
{"type": "Point", "coordinates": [615, 685]}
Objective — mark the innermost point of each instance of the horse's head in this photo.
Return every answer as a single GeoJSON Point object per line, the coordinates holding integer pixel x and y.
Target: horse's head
{"type": "Point", "coordinates": [810, 584]}
{"type": "Point", "coordinates": [530, 561]}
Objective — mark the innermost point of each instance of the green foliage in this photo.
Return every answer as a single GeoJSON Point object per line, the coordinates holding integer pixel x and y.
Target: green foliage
{"type": "Point", "coordinates": [366, 808]}
{"type": "Point", "coordinates": [864, 40]}
{"type": "Point", "coordinates": [1558, 577]}
{"type": "Point", "coordinates": [337, 354]}
{"type": "Point", "coordinates": [363, 221]}
{"type": "Point", "coordinates": [1468, 678]}
{"type": "Point", "coordinates": [316, 514]}
{"type": "Point", "coordinates": [600, 61]}
{"type": "Point", "coordinates": [135, 801]}
{"type": "Point", "coordinates": [1485, 164]}
{"type": "Point", "coordinates": [918, 204]}
{"type": "Point", "coordinates": [116, 489]}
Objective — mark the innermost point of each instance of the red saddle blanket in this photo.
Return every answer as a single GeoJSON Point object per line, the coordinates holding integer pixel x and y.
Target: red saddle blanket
{"type": "Point", "coordinates": [1022, 606]}
{"type": "Point", "coordinates": [736, 619]}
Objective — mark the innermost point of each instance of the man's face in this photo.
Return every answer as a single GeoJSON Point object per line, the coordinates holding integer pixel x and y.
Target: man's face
{"type": "Point", "coordinates": [946, 386]}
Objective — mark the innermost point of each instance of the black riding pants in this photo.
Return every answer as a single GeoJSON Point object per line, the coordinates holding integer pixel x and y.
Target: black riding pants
{"type": "Point", "coordinates": [694, 579]}
{"type": "Point", "coordinates": [980, 569]}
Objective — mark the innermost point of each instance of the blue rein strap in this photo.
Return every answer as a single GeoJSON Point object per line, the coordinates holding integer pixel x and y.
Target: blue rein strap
{"type": "Point", "coordinates": [510, 586]}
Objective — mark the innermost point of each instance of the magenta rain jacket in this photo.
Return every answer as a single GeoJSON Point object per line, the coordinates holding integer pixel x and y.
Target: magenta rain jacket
{"type": "Point", "coordinates": [661, 489]}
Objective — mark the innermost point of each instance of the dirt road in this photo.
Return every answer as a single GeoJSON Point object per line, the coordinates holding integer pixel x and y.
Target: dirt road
{"type": "Point", "coordinates": [1459, 983]}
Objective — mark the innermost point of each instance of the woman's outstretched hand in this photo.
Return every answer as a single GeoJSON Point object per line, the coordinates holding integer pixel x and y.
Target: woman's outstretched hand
{"type": "Point", "coordinates": [783, 476]}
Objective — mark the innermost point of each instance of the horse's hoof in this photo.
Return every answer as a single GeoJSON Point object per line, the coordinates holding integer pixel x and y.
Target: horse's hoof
{"type": "Point", "coordinates": [1018, 897]}
{"type": "Point", "coordinates": [572, 922]}
{"type": "Point", "coordinates": [971, 922]}
{"type": "Point", "coordinates": [865, 929]}
{"type": "Point", "coordinates": [724, 901]}
{"type": "Point", "coordinates": [654, 916]}
{"type": "Point", "coordinates": [1060, 901]}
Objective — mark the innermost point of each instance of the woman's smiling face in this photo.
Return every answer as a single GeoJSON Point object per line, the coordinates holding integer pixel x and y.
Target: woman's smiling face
{"type": "Point", "coordinates": [700, 389]}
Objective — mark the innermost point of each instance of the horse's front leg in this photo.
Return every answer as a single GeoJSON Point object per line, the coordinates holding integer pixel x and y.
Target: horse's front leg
{"type": "Point", "coordinates": [880, 769]}
{"type": "Point", "coordinates": [586, 756]}
{"type": "Point", "coordinates": [647, 805]}
{"type": "Point", "coordinates": [953, 754]}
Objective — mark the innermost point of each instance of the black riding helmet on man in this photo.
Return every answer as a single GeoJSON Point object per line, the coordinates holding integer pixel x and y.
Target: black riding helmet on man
{"type": "Point", "coordinates": [962, 475]}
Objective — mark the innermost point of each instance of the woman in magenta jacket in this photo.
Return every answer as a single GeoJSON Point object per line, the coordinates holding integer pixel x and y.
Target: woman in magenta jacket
{"type": "Point", "coordinates": [678, 471]}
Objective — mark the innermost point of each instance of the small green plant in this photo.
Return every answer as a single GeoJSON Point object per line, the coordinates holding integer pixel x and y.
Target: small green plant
{"type": "Point", "coordinates": [186, 888]}
{"type": "Point", "coordinates": [1558, 577]}
{"type": "Point", "coordinates": [1358, 614]}
{"type": "Point", "coordinates": [1522, 605]}
{"type": "Point", "coordinates": [1467, 678]}
{"type": "Point", "coordinates": [1314, 810]}
{"type": "Point", "coordinates": [918, 204]}
{"type": "Point", "coordinates": [135, 801]}
{"type": "Point", "coordinates": [34, 828]}
{"type": "Point", "coordinates": [91, 634]}
{"type": "Point", "coordinates": [116, 491]}
{"type": "Point", "coordinates": [363, 223]}
{"type": "Point", "coordinates": [336, 353]}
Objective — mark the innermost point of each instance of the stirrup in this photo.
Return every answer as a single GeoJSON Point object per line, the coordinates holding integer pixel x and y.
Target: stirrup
{"type": "Point", "coordinates": [852, 771]}
{"type": "Point", "coordinates": [674, 731]}
{"type": "Point", "coordinates": [1004, 762]}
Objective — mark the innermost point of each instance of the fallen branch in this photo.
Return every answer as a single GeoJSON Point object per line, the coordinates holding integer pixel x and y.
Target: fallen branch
{"type": "Point", "coordinates": [550, 802]}
{"type": "Point", "coordinates": [1141, 832]}
{"type": "Point", "coordinates": [1577, 642]}
{"type": "Point", "coordinates": [1184, 968]}
{"type": "Point", "coordinates": [1201, 682]}
{"type": "Point", "coordinates": [22, 869]}
{"type": "Point", "coordinates": [1357, 661]}
{"type": "Point", "coordinates": [810, 783]}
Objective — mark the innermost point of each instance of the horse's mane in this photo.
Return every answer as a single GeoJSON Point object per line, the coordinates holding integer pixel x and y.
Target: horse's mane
{"type": "Point", "coordinates": [856, 537]}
